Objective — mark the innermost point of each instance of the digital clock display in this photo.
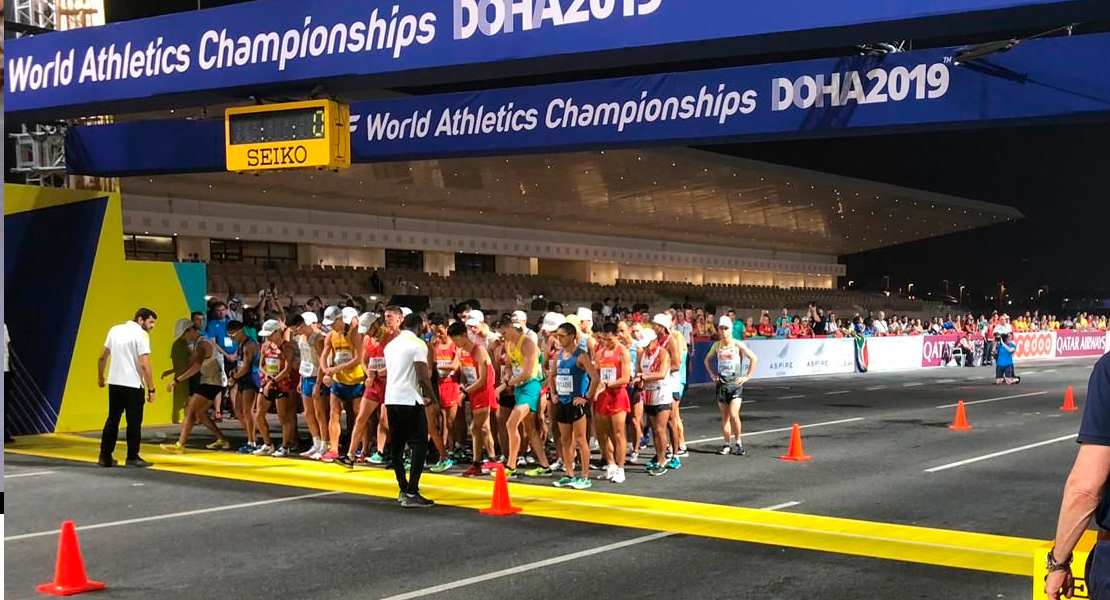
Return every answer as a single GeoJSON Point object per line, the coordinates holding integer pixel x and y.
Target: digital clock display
{"type": "Point", "coordinates": [277, 126]}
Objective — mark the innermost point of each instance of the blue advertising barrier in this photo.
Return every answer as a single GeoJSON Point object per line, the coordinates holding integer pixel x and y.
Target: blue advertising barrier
{"type": "Point", "coordinates": [253, 48]}
{"type": "Point", "coordinates": [1050, 79]}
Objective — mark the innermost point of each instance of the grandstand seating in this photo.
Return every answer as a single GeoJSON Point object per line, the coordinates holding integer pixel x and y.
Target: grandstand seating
{"type": "Point", "coordinates": [511, 291]}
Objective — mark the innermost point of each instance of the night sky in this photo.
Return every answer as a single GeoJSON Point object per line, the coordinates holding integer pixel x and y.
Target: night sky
{"type": "Point", "coordinates": [1057, 175]}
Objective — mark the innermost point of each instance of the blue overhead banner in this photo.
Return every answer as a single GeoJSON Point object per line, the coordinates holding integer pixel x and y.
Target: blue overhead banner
{"type": "Point", "coordinates": [246, 49]}
{"type": "Point", "coordinates": [1050, 79]}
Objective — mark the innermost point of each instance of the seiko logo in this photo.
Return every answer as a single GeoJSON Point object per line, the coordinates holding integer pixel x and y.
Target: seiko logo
{"type": "Point", "coordinates": [277, 157]}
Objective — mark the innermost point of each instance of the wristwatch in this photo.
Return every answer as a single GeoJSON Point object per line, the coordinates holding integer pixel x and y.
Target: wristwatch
{"type": "Point", "coordinates": [1052, 564]}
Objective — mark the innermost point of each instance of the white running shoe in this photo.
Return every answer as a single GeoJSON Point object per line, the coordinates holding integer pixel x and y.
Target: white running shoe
{"type": "Point", "coordinates": [280, 453]}
{"type": "Point", "coordinates": [313, 450]}
{"type": "Point", "coordinates": [610, 472]}
{"type": "Point", "coordinates": [634, 458]}
{"type": "Point", "coordinates": [618, 477]}
{"type": "Point", "coordinates": [264, 450]}
{"type": "Point", "coordinates": [318, 454]}
{"type": "Point", "coordinates": [557, 465]}
{"type": "Point", "coordinates": [594, 446]}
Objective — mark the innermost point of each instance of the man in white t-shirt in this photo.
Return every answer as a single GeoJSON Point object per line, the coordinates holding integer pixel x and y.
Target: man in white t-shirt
{"type": "Point", "coordinates": [881, 327]}
{"type": "Point", "coordinates": [406, 361]}
{"type": "Point", "coordinates": [127, 349]}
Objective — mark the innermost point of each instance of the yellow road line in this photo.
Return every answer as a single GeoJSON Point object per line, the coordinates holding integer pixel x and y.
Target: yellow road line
{"type": "Point", "coordinates": [978, 551]}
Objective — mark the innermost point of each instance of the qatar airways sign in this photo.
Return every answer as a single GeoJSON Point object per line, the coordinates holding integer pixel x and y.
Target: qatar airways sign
{"type": "Point", "coordinates": [1080, 343]}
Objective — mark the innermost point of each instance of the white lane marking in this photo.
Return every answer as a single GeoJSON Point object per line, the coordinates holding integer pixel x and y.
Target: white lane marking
{"type": "Point", "coordinates": [912, 384]}
{"type": "Point", "coordinates": [954, 404]}
{"type": "Point", "coordinates": [444, 587]}
{"type": "Point", "coordinates": [31, 474]}
{"type": "Point", "coordinates": [791, 397]}
{"type": "Point", "coordinates": [945, 380]}
{"type": "Point", "coordinates": [836, 392]}
{"type": "Point", "coordinates": [1029, 372]}
{"type": "Point", "coordinates": [779, 430]}
{"type": "Point", "coordinates": [690, 407]}
{"type": "Point", "coordinates": [875, 387]}
{"type": "Point", "coordinates": [1002, 453]}
{"type": "Point", "coordinates": [1049, 370]}
{"type": "Point", "coordinates": [177, 515]}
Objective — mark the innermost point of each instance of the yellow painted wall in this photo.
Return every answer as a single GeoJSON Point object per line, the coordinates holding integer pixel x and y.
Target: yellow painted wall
{"type": "Point", "coordinates": [117, 288]}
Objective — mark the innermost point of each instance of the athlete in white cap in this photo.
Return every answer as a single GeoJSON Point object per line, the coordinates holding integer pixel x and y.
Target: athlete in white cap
{"type": "Point", "coordinates": [661, 371]}
{"type": "Point", "coordinates": [729, 354]}
{"type": "Point", "coordinates": [310, 341]}
{"type": "Point", "coordinates": [343, 370]}
{"type": "Point", "coordinates": [207, 361]}
{"type": "Point", "coordinates": [279, 381]}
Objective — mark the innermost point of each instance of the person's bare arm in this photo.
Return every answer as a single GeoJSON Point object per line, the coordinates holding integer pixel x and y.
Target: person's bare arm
{"type": "Point", "coordinates": [148, 375]}
{"type": "Point", "coordinates": [530, 352]}
{"type": "Point", "coordinates": [200, 353]}
{"type": "Point", "coordinates": [424, 379]}
{"type": "Point", "coordinates": [664, 368]}
{"type": "Point", "coordinates": [746, 351]}
{"type": "Point", "coordinates": [1082, 494]}
{"type": "Point", "coordinates": [587, 365]}
{"type": "Point", "coordinates": [709, 362]}
{"type": "Point", "coordinates": [287, 355]}
{"type": "Point", "coordinates": [101, 364]}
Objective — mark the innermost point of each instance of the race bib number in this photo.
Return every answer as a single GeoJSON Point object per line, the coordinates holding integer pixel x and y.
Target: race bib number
{"type": "Point", "coordinates": [470, 375]}
{"type": "Point", "coordinates": [377, 363]}
{"type": "Point", "coordinates": [273, 366]}
{"type": "Point", "coordinates": [608, 374]}
{"type": "Point", "coordinates": [342, 356]}
{"type": "Point", "coordinates": [228, 342]}
{"type": "Point", "coordinates": [307, 369]}
{"type": "Point", "coordinates": [726, 367]}
{"type": "Point", "coordinates": [652, 385]}
{"type": "Point", "coordinates": [564, 385]}
{"type": "Point", "coordinates": [443, 365]}
{"type": "Point", "coordinates": [517, 371]}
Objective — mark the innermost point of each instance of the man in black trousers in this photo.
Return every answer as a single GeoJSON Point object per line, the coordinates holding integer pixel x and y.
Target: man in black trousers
{"type": "Point", "coordinates": [127, 355]}
{"type": "Point", "coordinates": [406, 361]}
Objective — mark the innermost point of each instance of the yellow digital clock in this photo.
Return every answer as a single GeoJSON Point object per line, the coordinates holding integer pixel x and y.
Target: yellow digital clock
{"type": "Point", "coordinates": [291, 135]}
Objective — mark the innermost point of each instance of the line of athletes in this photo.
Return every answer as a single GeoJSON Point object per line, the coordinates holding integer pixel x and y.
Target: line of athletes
{"type": "Point", "coordinates": [595, 385]}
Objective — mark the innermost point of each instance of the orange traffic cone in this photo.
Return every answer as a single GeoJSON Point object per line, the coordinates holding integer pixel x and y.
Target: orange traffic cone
{"type": "Point", "coordinates": [961, 423]}
{"type": "Point", "coordinates": [501, 504]}
{"type": "Point", "coordinates": [795, 452]}
{"type": "Point", "coordinates": [69, 573]}
{"type": "Point", "coordinates": [1069, 400]}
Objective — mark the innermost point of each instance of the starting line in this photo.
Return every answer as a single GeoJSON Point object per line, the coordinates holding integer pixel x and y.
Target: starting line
{"type": "Point", "coordinates": [957, 549]}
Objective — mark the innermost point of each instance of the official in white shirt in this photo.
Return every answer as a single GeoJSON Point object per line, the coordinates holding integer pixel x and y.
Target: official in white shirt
{"type": "Point", "coordinates": [127, 349]}
{"type": "Point", "coordinates": [406, 361]}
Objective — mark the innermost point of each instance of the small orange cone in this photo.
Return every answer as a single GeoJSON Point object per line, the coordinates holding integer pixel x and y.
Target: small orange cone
{"type": "Point", "coordinates": [961, 423]}
{"type": "Point", "coordinates": [501, 504]}
{"type": "Point", "coordinates": [69, 573]}
{"type": "Point", "coordinates": [795, 452]}
{"type": "Point", "coordinates": [1069, 400]}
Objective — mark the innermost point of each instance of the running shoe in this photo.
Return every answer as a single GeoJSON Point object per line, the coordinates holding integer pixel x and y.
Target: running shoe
{"type": "Point", "coordinates": [318, 454]}
{"type": "Point", "coordinates": [219, 445]}
{"type": "Point", "coordinates": [489, 466]}
{"type": "Point", "coordinates": [655, 469]}
{"type": "Point", "coordinates": [724, 450]}
{"type": "Point", "coordinates": [358, 454]}
{"type": "Point", "coordinates": [643, 441]}
{"type": "Point", "coordinates": [521, 461]}
{"type": "Point", "coordinates": [540, 472]}
{"type": "Point", "coordinates": [376, 458]}
{"type": "Point", "coordinates": [311, 451]}
{"type": "Point", "coordinates": [739, 451]}
{"type": "Point", "coordinates": [442, 465]}
{"type": "Point", "coordinates": [329, 456]}
{"type": "Point", "coordinates": [683, 453]}
{"type": "Point", "coordinates": [264, 450]}
{"type": "Point", "coordinates": [563, 482]}
{"type": "Point", "coordinates": [610, 471]}
{"type": "Point", "coordinates": [618, 477]}
{"type": "Point", "coordinates": [416, 501]}
{"type": "Point", "coordinates": [557, 465]}
{"type": "Point", "coordinates": [512, 474]}
{"type": "Point", "coordinates": [247, 449]}
{"type": "Point", "coordinates": [594, 446]}
{"type": "Point", "coordinates": [280, 452]}
{"type": "Point", "coordinates": [529, 460]}
{"type": "Point", "coordinates": [345, 461]}
{"type": "Point", "coordinates": [581, 483]}
{"type": "Point", "coordinates": [634, 458]}
{"type": "Point", "coordinates": [174, 448]}
{"type": "Point", "coordinates": [674, 463]}
{"type": "Point", "coordinates": [473, 471]}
